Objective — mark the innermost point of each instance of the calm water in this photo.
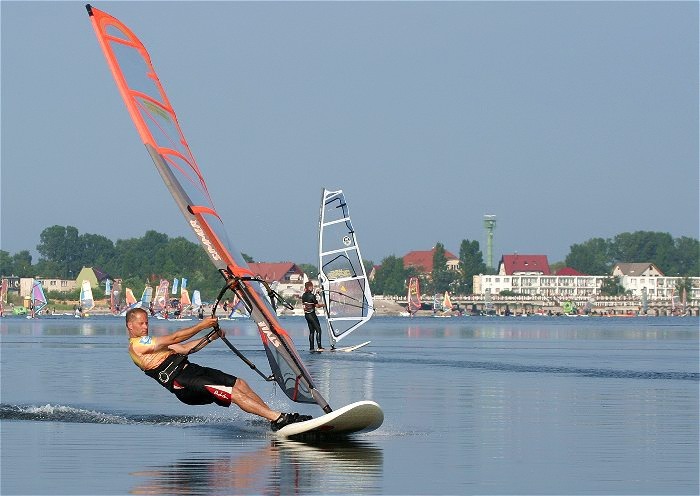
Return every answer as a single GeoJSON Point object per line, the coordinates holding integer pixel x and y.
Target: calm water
{"type": "Point", "coordinates": [472, 405]}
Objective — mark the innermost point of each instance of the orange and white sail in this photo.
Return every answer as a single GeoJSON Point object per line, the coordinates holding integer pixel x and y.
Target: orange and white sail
{"type": "Point", "coordinates": [160, 132]}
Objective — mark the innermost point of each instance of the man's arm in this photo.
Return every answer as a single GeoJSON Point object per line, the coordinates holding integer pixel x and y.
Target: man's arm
{"type": "Point", "coordinates": [176, 337]}
{"type": "Point", "coordinates": [184, 349]}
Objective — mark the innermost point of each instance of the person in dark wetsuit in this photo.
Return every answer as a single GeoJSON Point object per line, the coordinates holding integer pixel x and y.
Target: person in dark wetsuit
{"type": "Point", "coordinates": [164, 358]}
{"type": "Point", "coordinates": [310, 303]}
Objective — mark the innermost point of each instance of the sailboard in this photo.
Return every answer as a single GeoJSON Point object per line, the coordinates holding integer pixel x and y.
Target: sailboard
{"type": "Point", "coordinates": [362, 416]}
{"type": "Point", "coordinates": [342, 275]}
{"type": "Point", "coordinates": [86, 299]}
{"type": "Point", "coordinates": [160, 132]}
{"type": "Point", "coordinates": [39, 300]}
{"type": "Point", "coordinates": [414, 303]}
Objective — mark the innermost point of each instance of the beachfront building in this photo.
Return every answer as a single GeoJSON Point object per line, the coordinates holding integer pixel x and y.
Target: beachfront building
{"type": "Point", "coordinates": [422, 261]}
{"type": "Point", "coordinates": [534, 279]}
{"type": "Point", "coordinates": [288, 275]}
{"type": "Point", "coordinates": [638, 278]}
{"type": "Point", "coordinates": [48, 283]}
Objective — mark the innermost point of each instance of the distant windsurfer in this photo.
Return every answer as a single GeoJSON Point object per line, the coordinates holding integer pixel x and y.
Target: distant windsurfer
{"type": "Point", "coordinates": [164, 358]}
{"type": "Point", "coordinates": [311, 303]}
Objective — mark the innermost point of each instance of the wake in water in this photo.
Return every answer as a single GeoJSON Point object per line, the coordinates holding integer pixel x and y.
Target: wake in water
{"type": "Point", "coordinates": [60, 413]}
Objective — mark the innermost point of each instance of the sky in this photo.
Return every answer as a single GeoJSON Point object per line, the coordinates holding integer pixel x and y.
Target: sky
{"type": "Point", "coordinates": [566, 120]}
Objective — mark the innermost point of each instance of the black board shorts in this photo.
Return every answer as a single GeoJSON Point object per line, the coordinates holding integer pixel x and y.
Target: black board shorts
{"type": "Point", "coordinates": [197, 385]}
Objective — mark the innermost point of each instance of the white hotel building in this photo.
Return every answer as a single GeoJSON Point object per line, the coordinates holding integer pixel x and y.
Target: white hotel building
{"type": "Point", "coordinates": [530, 275]}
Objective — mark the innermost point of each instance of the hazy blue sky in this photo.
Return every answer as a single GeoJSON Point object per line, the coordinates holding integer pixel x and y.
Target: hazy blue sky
{"type": "Point", "coordinates": [567, 120]}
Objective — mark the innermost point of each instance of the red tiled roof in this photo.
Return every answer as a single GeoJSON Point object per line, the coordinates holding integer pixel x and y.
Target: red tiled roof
{"type": "Point", "coordinates": [525, 263]}
{"type": "Point", "coordinates": [568, 271]}
{"type": "Point", "coordinates": [274, 271]}
{"type": "Point", "coordinates": [423, 260]}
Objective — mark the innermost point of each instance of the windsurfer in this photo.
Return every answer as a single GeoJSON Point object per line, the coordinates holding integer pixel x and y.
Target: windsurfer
{"type": "Point", "coordinates": [310, 303]}
{"type": "Point", "coordinates": [165, 359]}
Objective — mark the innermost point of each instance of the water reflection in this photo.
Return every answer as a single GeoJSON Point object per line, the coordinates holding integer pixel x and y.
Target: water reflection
{"type": "Point", "coordinates": [280, 467]}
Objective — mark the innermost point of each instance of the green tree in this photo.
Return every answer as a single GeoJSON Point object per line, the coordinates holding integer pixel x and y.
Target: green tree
{"type": "Point", "coordinates": [5, 263]}
{"type": "Point", "coordinates": [61, 245]}
{"type": "Point", "coordinates": [687, 259]}
{"type": "Point", "coordinates": [310, 270]}
{"type": "Point", "coordinates": [22, 264]}
{"type": "Point", "coordinates": [95, 250]}
{"type": "Point", "coordinates": [590, 257]}
{"type": "Point", "coordinates": [611, 287]}
{"type": "Point", "coordinates": [247, 257]}
{"type": "Point", "coordinates": [391, 277]}
{"type": "Point", "coordinates": [645, 246]}
{"type": "Point", "coordinates": [441, 276]}
{"type": "Point", "coordinates": [471, 263]}
{"type": "Point", "coordinates": [684, 284]}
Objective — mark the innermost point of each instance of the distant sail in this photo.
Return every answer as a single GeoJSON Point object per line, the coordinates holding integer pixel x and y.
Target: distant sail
{"type": "Point", "coordinates": [175, 284]}
{"type": "Point", "coordinates": [108, 287]}
{"type": "Point", "coordinates": [86, 299]}
{"type": "Point", "coordinates": [146, 296]}
{"type": "Point", "coordinates": [342, 275]}
{"type": "Point", "coordinates": [160, 300]}
{"type": "Point", "coordinates": [4, 285]}
{"type": "Point", "coordinates": [184, 299]}
{"type": "Point", "coordinates": [183, 283]}
{"type": "Point", "coordinates": [414, 302]}
{"type": "Point", "coordinates": [196, 298]}
{"type": "Point", "coordinates": [447, 302]}
{"type": "Point", "coordinates": [115, 296]}
{"type": "Point", "coordinates": [39, 300]}
{"type": "Point", "coordinates": [130, 298]}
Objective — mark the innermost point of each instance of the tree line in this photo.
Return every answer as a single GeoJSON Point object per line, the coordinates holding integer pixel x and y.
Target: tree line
{"type": "Point", "coordinates": [64, 251]}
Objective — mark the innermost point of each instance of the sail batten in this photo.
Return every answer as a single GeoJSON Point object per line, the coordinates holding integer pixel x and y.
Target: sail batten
{"type": "Point", "coordinates": [159, 129]}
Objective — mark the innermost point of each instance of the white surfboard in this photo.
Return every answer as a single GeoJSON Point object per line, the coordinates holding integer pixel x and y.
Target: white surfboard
{"type": "Point", "coordinates": [363, 416]}
{"type": "Point", "coordinates": [343, 348]}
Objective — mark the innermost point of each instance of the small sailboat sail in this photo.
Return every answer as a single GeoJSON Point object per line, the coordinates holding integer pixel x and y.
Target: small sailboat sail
{"type": "Point", "coordinates": [115, 295]}
{"type": "Point", "coordinates": [237, 309]}
{"type": "Point", "coordinates": [342, 276]}
{"type": "Point", "coordinates": [108, 287]}
{"type": "Point", "coordinates": [130, 298]}
{"type": "Point", "coordinates": [159, 130]}
{"type": "Point", "coordinates": [86, 299]}
{"type": "Point", "coordinates": [488, 302]}
{"type": "Point", "coordinates": [146, 297]}
{"type": "Point", "coordinates": [447, 302]}
{"type": "Point", "coordinates": [196, 299]}
{"type": "Point", "coordinates": [185, 299]}
{"type": "Point", "coordinates": [414, 302]}
{"type": "Point", "coordinates": [437, 306]}
{"type": "Point", "coordinates": [39, 300]}
{"type": "Point", "coordinates": [4, 285]}
{"type": "Point", "coordinates": [160, 300]}
{"type": "Point", "coordinates": [175, 284]}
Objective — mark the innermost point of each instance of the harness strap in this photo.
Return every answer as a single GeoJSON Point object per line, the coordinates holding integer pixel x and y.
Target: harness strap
{"type": "Point", "coordinates": [166, 372]}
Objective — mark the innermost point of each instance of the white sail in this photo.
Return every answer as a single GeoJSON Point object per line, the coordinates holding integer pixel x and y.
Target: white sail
{"type": "Point", "coordinates": [342, 275]}
{"type": "Point", "coordinates": [86, 299]}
